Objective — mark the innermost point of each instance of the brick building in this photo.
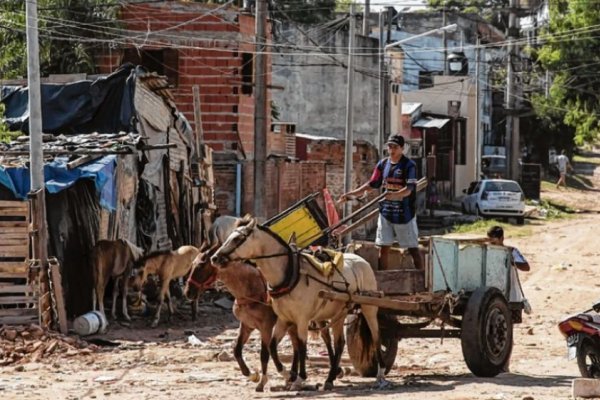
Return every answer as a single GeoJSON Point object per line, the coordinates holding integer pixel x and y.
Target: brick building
{"type": "Point", "coordinates": [211, 47]}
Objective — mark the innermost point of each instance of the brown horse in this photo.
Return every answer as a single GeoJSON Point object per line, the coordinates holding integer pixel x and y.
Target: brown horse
{"type": "Point", "coordinates": [113, 259]}
{"type": "Point", "coordinates": [168, 265]}
{"type": "Point", "coordinates": [252, 306]}
{"type": "Point", "coordinates": [297, 286]}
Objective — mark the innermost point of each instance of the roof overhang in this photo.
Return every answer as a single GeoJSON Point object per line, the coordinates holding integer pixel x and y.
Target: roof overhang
{"type": "Point", "coordinates": [427, 123]}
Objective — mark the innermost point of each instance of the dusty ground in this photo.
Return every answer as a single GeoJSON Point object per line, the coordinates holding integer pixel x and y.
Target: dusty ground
{"type": "Point", "coordinates": [159, 364]}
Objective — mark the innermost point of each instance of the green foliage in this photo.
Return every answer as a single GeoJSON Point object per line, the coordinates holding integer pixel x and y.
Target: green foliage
{"type": "Point", "coordinates": [305, 11]}
{"type": "Point", "coordinates": [344, 6]}
{"type": "Point", "coordinates": [6, 135]}
{"type": "Point", "coordinates": [69, 30]}
{"type": "Point", "coordinates": [467, 6]}
{"type": "Point", "coordinates": [572, 53]}
{"type": "Point", "coordinates": [480, 227]}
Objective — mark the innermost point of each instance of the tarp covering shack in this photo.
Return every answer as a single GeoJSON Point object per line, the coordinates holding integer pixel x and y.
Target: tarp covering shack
{"type": "Point", "coordinates": [119, 163]}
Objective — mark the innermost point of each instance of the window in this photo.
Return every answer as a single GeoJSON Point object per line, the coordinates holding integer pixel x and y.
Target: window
{"type": "Point", "coordinates": [163, 62]}
{"type": "Point", "coordinates": [247, 73]}
{"type": "Point", "coordinates": [505, 186]}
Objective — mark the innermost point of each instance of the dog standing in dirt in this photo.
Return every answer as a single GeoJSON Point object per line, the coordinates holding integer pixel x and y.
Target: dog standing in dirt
{"type": "Point", "coordinates": [113, 259]}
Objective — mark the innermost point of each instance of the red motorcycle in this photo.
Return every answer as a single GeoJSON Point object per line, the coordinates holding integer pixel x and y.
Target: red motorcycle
{"type": "Point", "coordinates": [583, 340]}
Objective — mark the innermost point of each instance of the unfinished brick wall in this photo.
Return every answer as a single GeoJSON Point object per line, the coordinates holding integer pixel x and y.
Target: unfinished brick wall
{"type": "Point", "coordinates": [211, 51]}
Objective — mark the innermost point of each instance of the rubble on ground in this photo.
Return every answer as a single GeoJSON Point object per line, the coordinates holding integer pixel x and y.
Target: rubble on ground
{"type": "Point", "coordinates": [22, 344]}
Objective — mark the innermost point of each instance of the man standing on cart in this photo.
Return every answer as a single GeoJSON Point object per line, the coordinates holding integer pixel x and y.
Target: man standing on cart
{"type": "Point", "coordinates": [397, 175]}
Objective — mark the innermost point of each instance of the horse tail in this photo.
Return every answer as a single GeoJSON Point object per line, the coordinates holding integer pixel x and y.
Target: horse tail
{"type": "Point", "coordinates": [361, 346]}
{"type": "Point", "coordinates": [136, 251]}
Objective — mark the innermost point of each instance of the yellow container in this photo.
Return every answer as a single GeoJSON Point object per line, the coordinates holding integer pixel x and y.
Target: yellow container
{"type": "Point", "coordinates": [305, 219]}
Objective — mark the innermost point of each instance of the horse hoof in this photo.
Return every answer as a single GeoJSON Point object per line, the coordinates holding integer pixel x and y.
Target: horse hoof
{"type": "Point", "coordinates": [328, 386]}
{"type": "Point", "coordinates": [254, 377]}
{"type": "Point", "coordinates": [154, 324]}
{"type": "Point", "coordinates": [260, 388]}
{"type": "Point", "coordinates": [127, 318]}
{"type": "Point", "coordinates": [297, 385]}
{"type": "Point", "coordinates": [383, 384]}
{"type": "Point", "coordinates": [340, 373]}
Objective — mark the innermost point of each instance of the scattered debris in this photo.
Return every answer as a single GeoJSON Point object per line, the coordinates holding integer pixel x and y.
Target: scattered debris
{"type": "Point", "coordinates": [22, 344]}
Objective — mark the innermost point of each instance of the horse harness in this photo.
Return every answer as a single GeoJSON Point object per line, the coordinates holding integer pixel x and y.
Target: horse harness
{"type": "Point", "coordinates": [292, 272]}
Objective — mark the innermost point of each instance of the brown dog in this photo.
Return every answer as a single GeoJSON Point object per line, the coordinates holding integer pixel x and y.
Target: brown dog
{"type": "Point", "coordinates": [113, 259]}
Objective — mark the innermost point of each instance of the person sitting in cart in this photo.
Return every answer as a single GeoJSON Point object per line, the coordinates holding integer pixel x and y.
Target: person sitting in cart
{"type": "Point", "coordinates": [397, 221]}
{"type": "Point", "coordinates": [496, 236]}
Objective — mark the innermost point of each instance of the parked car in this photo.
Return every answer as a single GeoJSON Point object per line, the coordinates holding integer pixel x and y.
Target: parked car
{"type": "Point", "coordinates": [495, 198]}
{"type": "Point", "coordinates": [493, 165]}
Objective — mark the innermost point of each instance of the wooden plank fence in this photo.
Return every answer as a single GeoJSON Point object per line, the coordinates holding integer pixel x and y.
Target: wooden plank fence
{"type": "Point", "coordinates": [18, 299]}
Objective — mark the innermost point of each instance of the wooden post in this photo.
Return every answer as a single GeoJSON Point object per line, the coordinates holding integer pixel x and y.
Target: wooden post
{"type": "Point", "coordinates": [198, 120]}
{"type": "Point", "coordinates": [58, 295]}
{"type": "Point", "coordinates": [39, 237]}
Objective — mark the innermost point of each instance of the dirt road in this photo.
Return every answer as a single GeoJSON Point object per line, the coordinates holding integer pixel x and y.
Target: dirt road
{"type": "Point", "coordinates": [160, 364]}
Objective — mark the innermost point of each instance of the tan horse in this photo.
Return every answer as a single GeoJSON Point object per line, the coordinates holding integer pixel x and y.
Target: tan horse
{"type": "Point", "coordinates": [113, 259]}
{"type": "Point", "coordinates": [252, 306]}
{"type": "Point", "coordinates": [295, 287]}
{"type": "Point", "coordinates": [167, 265]}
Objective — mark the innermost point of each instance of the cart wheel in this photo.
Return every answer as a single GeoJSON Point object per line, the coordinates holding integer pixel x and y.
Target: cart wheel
{"type": "Point", "coordinates": [365, 362]}
{"type": "Point", "coordinates": [486, 332]}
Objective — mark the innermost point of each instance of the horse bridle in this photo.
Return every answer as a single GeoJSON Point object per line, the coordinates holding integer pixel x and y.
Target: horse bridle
{"type": "Point", "coordinates": [245, 236]}
{"type": "Point", "coordinates": [203, 285]}
{"type": "Point", "coordinates": [292, 271]}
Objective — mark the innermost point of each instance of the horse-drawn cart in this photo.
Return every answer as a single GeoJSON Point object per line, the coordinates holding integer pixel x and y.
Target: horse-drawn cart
{"type": "Point", "coordinates": [462, 293]}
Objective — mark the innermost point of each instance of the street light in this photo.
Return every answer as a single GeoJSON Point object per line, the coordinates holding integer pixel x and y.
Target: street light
{"type": "Point", "coordinates": [395, 62]}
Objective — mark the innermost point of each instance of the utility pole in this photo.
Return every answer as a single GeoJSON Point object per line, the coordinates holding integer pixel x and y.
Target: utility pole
{"type": "Point", "coordinates": [382, 88]}
{"type": "Point", "coordinates": [445, 39]}
{"type": "Point", "coordinates": [39, 228]}
{"type": "Point", "coordinates": [365, 27]}
{"type": "Point", "coordinates": [349, 116]}
{"type": "Point", "coordinates": [260, 111]}
{"type": "Point", "coordinates": [477, 110]}
{"type": "Point", "coordinates": [35, 108]}
{"type": "Point", "coordinates": [512, 137]}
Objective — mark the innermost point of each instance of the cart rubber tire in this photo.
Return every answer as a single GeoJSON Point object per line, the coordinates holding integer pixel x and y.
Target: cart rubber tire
{"type": "Point", "coordinates": [367, 366]}
{"type": "Point", "coordinates": [487, 332]}
{"type": "Point", "coordinates": [588, 358]}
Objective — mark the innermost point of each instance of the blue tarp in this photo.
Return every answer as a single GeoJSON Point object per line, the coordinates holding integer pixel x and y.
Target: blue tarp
{"type": "Point", "coordinates": [58, 178]}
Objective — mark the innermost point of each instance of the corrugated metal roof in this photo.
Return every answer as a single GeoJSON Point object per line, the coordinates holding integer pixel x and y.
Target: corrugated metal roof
{"type": "Point", "coordinates": [409, 107]}
{"type": "Point", "coordinates": [431, 123]}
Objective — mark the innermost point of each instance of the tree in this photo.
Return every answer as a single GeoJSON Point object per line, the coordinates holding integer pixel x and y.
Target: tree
{"type": "Point", "coordinates": [467, 6]}
{"type": "Point", "coordinates": [305, 11]}
{"type": "Point", "coordinates": [68, 32]}
{"type": "Point", "coordinates": [571, 52]}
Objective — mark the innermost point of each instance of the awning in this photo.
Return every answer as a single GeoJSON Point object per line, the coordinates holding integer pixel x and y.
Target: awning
{"type": "Point", "coordinates": [431, 123]}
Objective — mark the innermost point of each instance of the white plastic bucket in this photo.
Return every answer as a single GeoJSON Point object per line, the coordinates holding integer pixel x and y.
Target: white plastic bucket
{"type": "Point", "coordinates": [90, 323]}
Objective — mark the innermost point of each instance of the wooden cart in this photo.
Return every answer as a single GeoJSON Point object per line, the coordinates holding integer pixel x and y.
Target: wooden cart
{"type": "Point", "coordinates": [462, 293]}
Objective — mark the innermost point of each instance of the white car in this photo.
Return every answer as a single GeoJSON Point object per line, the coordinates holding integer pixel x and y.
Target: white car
{"type": "Point", "coordinates": [495, 198]}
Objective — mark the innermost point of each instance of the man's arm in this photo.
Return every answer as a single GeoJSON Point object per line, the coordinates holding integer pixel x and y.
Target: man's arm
{"type": "Point", "coordinates": [358, 191]}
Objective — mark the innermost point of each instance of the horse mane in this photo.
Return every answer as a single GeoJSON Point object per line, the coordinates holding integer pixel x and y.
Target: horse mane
{"type": "Point", "coordinates": [244, 221]}
{"type": "Point", "coordinates": [142, 261]}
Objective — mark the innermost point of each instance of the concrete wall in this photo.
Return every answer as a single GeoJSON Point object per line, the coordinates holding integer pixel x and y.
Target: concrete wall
{"type": "Point", "coordinates": [435, 100]}
{"type": "Point", "coordinates": [315, 85]}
